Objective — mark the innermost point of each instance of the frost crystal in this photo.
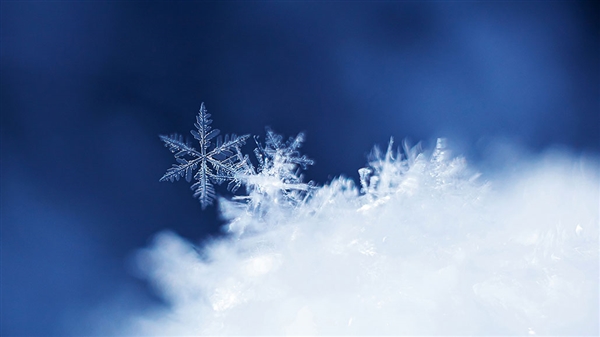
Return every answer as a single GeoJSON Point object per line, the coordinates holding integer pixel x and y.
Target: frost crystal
{"type": "Point", "coordinates": [278, 175]}
{"type": "Point", "coordinates": [401, 172]}
{"type": "Point", "coordinates": [274, 187]}
{"type": "Point", "coordinates": [214, 164]}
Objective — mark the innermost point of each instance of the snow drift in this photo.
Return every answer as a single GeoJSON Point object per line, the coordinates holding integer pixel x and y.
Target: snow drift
{"type": "Point", "coordinates": [423, 246]}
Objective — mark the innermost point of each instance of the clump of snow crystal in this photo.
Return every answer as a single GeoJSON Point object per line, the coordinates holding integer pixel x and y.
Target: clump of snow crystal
{"type": "Point", "coordinates": [422, 245]}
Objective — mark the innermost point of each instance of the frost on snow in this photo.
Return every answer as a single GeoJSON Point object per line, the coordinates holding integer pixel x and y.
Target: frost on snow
{"type": "Point", "coordinates": [422, 246]}
{"type": "Point", "coordinates": [279, 165]}
{"type": "Point", "coordinates": [214, 166]}
{"type": "Point", "coordinates": [275, 188]}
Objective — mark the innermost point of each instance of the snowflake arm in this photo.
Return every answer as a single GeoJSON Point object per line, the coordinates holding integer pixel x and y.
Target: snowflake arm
{"type": "Point", "coordinates": [204, 190]}
{"type": "Point", "coordinates": [205, 132]}
{"type": "Point", "coordinates": [176, 145]}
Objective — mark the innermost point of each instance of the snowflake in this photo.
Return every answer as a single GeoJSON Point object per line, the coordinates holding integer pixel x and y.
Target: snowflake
{"type": "Point", "coordinates": [214, 165]}
{"type": "Point", "coordinates": [278, 175]}
{"type": "Point", "coordinates": [274, 187]}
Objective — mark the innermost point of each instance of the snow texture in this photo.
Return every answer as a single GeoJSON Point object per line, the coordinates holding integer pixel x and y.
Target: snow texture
{"type": "Point", "coordinates": [424, 246]}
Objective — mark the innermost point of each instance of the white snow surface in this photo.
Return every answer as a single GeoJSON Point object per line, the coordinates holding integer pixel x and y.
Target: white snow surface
{"type": "Point", "coordinates": [425, 247]}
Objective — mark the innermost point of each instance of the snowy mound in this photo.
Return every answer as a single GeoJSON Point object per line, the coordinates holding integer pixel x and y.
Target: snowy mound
{"type": "Point", "coordinates": [422, 247]}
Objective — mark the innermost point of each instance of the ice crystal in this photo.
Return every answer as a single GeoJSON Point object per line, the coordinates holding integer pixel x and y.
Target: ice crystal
{"type": "Point", "coordinates": [401, 171]}
{"type": "Point", "coordinates": [277, 175]}
{"type": "Point", "coordinates": [214, 165]}
{"type": "Point", "coordinates": [274, 187]}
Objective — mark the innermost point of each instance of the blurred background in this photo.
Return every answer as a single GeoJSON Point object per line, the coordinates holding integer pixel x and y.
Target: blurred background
{"type": "Point", "coordinates": [87, 87]}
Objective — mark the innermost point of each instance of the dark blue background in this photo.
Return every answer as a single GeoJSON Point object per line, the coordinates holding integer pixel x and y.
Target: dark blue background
{"type": "Point", "coordinates": [87, 87]}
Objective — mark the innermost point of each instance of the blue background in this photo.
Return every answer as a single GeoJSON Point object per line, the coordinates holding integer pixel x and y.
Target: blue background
{"type": "Point", "coordinates": [87, 87]}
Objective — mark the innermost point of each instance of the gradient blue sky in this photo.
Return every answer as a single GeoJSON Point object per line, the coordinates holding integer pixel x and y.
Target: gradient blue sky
{"type": "Point", "coordinates": [87, 87]}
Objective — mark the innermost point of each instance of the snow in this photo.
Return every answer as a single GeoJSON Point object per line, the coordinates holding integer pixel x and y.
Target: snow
{"type": "Point", "coordinates": [427, 246]}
